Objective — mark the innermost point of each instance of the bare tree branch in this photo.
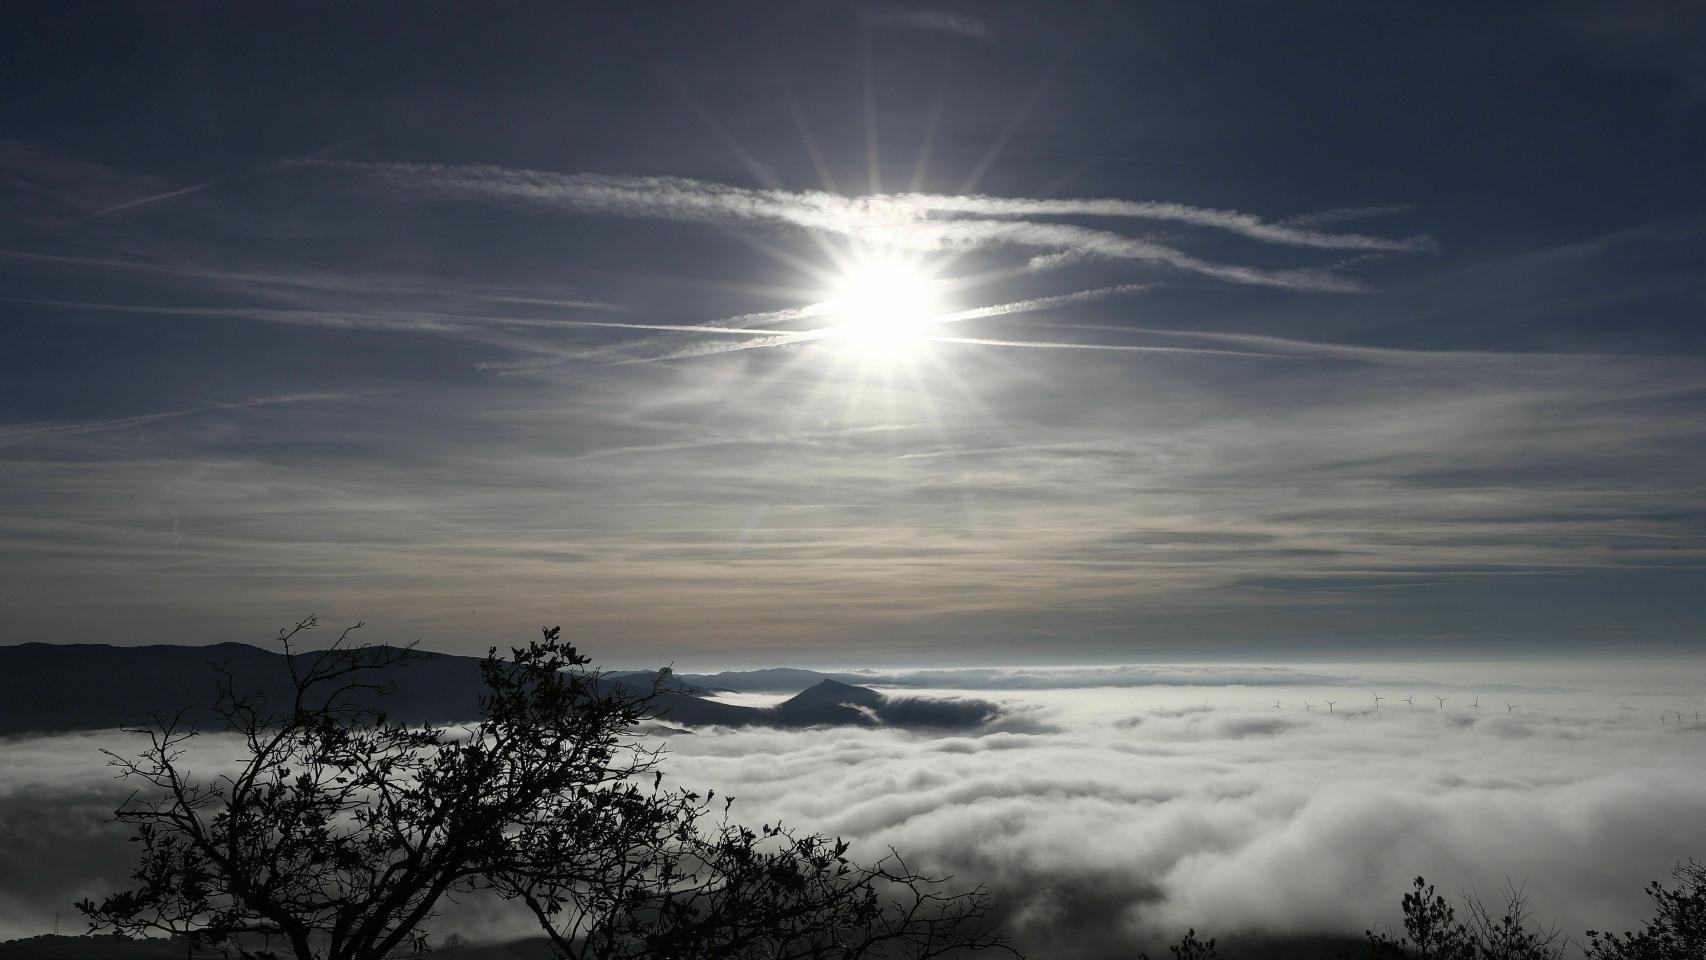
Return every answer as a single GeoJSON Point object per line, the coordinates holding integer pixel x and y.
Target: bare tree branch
{"type": "Point", "coordinates": [342, 831]}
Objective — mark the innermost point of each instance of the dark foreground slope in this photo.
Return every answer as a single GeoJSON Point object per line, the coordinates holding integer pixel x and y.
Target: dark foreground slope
{"type": "Point", "coordinates": [538, 948]}
{"type": "Point", "coordinates": [104, 947]}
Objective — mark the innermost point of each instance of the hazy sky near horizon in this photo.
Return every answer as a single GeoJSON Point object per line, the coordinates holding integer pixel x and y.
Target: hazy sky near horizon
{"type": "Point", "coordinates": [1257, 331]}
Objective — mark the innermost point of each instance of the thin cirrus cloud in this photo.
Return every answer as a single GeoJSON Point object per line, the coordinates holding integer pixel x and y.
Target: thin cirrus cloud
{"type": "Point", "coordinates": [22, 433]}
{"type": "Point", "coordinates": [910, 221]}
{"type": "Point", "coordinates": [1321, 218]}
{"type": "Point", "coordinates": [759, 525]}
{"type": "Point", "coordinates": [1286, 233]}
{"type": "Point", "coordinates": [151, 198]}
{"type": "Point", "coordinates": [952, 22]}
{"type": "Point", "coordinates": [298, 282]}
{"type": "Point", "coordinates": [1069, 455]}
{"type": "Point", "coordinates": [1102, 347]}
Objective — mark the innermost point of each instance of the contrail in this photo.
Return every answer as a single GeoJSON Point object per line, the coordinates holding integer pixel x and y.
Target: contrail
{"type": "Point", "coordinates": [407, 320]}
{"type": "Point", "coordinates": [772, 339]}
{"type": "Point", "coordinates": [1041, 303]}
{"type": "Point", "coordinates": [312, 156]}
{"type": "Point", "coordinates": [909, 221]}
{"type": "Point", "coordinates": [24, 432]}
{"type": "Point", "coordinates": [1107, 347]}
{"type": "Point", "coordinates": [709, 349]}
{"type": "Point", "coordinates": [128, 204]}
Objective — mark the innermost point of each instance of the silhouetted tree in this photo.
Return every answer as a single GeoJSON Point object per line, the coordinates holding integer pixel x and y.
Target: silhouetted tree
{"type": "Point", "coordinates": [341, 831]}
{"type": "Point", "coordinates": [1431, 928]}
{"type": "Point", "coordinates": [1433, 932]}
{"type": "Point", "coordinates": [1677, 930]}
{"type": "Point", "coordinates": [1507, 934]}
{"type": "Point", "coordinates": [739, 892]}
{"type": "Point", "coordinates": [1190, 948]}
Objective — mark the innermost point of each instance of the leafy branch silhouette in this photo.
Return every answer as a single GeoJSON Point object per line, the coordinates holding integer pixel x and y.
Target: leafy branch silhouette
{"type": "Point", "coordinates": [341, 831]}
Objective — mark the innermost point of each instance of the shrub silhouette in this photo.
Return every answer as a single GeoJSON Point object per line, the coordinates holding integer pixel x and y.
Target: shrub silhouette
{"type": "Point", "coordinates": [1507, 935]}
{"type": "Point", "coordinates": [1433, 932]}
{"type": "Point", "coordinates": [1190, 948]}
{"type": "Point", "coordinates": [1677, 931]}
{"type": "Point", "coordinates": [1431, 928]}
{"type": "Point", "coordinates": [341, 831]}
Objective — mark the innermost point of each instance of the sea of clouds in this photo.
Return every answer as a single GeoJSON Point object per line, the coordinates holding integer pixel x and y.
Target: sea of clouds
{"type": "Point", "coordinates": [1108, 819]}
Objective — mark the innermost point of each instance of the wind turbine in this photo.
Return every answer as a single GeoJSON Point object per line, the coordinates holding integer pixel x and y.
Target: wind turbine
{"type": "Point", "coordinates": [1441, 700]}
{"type": "Point", "coordinates": [1510, 707]}
{"type": "Point", "coordinates": [1276, 703]}
{"type": "Point", "coordinates": [1308, 706]}
{"type": "Point", "coordinates": [1477, 703]}
{"type": "Point", "coordinates": [1411, 700]}
{"type": "Point", "coordinates": [1330, 705]}
{"type": "Point", "coordinates": [1377, 699]}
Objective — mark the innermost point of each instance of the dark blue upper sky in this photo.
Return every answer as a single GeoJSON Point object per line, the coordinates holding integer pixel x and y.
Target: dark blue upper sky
{"type": "Point", "coordinates": [1237, 330]}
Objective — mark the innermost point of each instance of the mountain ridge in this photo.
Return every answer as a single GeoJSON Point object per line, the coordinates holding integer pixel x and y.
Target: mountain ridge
{"type": "Point", "coordinates": [54, 688]}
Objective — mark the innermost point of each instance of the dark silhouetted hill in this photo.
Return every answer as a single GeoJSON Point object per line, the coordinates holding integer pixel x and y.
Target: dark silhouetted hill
{"type": "Point", "coordinates": [768, 680]}
{"type": "Point", "coordinates": [641, 680]}
{"type": "Point", "coordinates": [83, 686]}
{"type": "Point", "coordinates": [834, 703]}
{"type": "Point", "coordinates": [47, 687]}
{"type": "Point", "coordinates": [87, 686]}
{"type": "Point", "coordinates": [831, 703]}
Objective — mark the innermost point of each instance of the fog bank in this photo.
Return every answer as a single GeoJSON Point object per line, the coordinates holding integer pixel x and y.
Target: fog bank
{"type": "Point", "coordinates": [1110, 818]}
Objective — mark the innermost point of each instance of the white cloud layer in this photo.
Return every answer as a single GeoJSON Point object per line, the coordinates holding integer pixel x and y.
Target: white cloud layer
{"type": "Point", "coordinates": [1109, 819]}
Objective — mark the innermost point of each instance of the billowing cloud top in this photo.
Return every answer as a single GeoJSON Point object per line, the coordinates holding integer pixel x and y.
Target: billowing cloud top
{"type": "Point", "coordinates": [1109, 820]}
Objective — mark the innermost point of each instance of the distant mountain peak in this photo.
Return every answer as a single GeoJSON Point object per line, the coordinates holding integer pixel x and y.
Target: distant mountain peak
{"type": "Point", "coordinates": [830, 683]}
{"type": "Point", "coordinates": [827, 689]}
{"type": "Point", "coordinates": [831, 702]}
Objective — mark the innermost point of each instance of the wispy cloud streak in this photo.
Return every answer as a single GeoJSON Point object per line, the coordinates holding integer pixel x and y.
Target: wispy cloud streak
{"type": "Point", "coordinates": [28, 432]}
{"type": "Point", "coordinates": [1322, 218]}
{"type": "Point", "coordinates": [951, 22]}
{"type": "Point", "coordinates": [1410, 357]}
{"type": "Point", "coordinates": [401, 321]}
{"type": "Point", "coordinates": [908, 220]}
{"type": "Point", "coordinates": [143, 201]}
{"type": "Point", "coordinates": [1103, 347]}
{"type": "Point", "coordinates": [1043, 303]}
{"type": "Point", "coordinates": [1244, 224]}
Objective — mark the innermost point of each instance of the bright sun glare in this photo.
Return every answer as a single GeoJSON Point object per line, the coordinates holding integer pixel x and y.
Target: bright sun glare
{"type": "Point", "coordinates": [883, 310]}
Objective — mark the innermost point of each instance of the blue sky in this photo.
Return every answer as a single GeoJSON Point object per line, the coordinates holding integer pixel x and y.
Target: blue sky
{"type": "Point", "coordinates": [1252, 331]}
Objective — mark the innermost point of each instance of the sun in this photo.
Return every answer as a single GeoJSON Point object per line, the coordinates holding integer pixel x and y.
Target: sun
{"type": "Point", "coordinates": [883, 310]}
